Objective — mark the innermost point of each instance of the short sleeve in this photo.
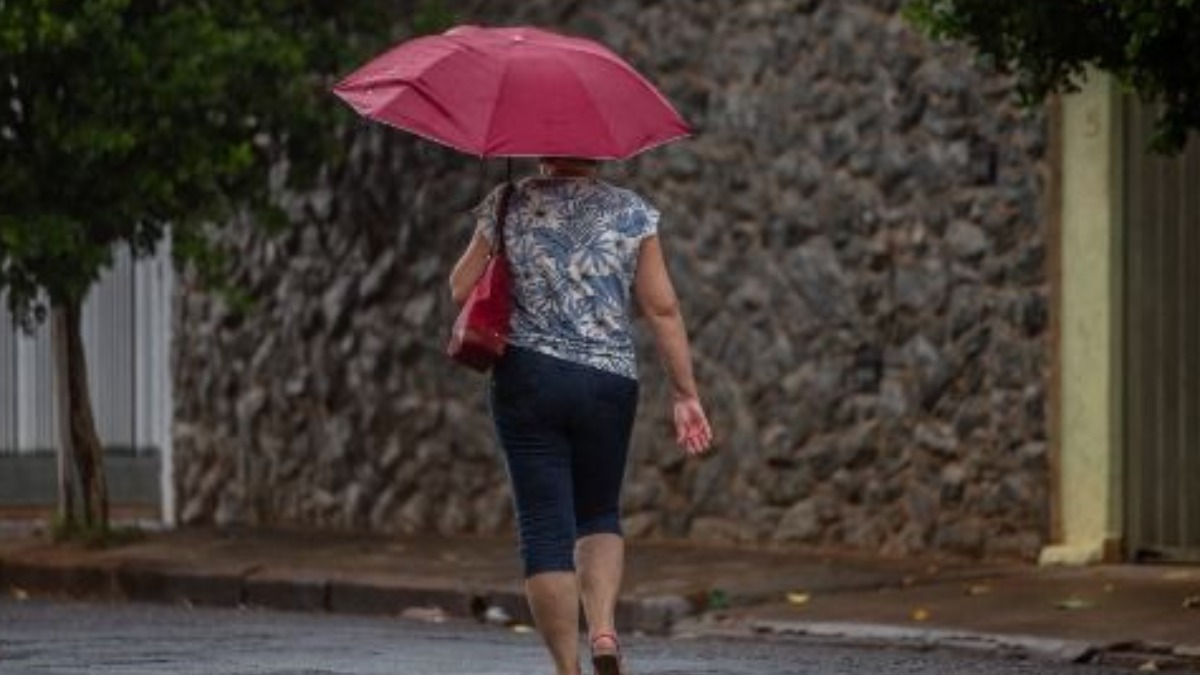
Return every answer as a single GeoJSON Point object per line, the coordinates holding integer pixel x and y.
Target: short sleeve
{"type": "Point", "coordinates": [646, 219]}
{"type": "Point", "coordinates": [485, 215]}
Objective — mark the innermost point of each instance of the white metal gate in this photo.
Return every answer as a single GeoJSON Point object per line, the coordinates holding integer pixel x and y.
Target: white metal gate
{"type": "Point", "coordinates": [127, 330]}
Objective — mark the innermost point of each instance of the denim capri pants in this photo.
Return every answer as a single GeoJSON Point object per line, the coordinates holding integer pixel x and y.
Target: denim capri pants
{"type": "Point", "coordinates": [564, 428]}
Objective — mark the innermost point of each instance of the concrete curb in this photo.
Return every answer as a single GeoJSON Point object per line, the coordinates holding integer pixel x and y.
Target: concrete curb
{"type": "Point", "coordinates": [155, 582]}
{"type": "Point", "coordinates": [1126, 654]}
{"type": "Point", "coordinates": [1068, 651]}
{"type": "Point", "coordinates": [298, 589]}
{"type": "Point", "coordinates": [388, 597]}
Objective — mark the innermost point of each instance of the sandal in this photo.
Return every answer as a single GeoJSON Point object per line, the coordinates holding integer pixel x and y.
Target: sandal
{"type": "Point", "coordinates": [607, 664]}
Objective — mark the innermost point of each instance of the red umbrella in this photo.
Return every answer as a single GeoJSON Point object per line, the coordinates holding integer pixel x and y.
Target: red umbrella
{"type": "Point", "coordinates": [514, 92]}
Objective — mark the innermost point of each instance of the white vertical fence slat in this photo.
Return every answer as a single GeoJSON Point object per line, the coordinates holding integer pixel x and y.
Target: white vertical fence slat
{"type": "Point", "coordinates": [154, 404]}
{"type": "Point", "coordinates": [111, 346]}
{"type": "Point", "coordinates": [8, 380]}
{"type": "Point", "coordinates": [126, 331]}
{"type": "Point", "coordinates": [36, 422]}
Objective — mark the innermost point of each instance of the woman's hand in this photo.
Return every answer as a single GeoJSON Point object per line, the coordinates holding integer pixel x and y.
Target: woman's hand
{"type": "Point", "coordinates": [692, 431]}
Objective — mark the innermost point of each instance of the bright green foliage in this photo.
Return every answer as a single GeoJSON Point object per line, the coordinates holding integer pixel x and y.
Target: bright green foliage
{"type": "Point", "coordinates": [119, 118]}
{"type": "Point", "coordinates": [1153, 46]}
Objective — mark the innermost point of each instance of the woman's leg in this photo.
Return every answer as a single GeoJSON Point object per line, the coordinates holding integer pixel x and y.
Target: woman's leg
{"type": "Point", "coordinates": [600, 442]}
{"type": "Point", "coordinates": [554, 599]}
{"type": "Point", "coordinates": [600, 563]}
{"type": "Point", "coordinates": [538, 458]}
{"type": "Point", "coordinates": [541, 479]}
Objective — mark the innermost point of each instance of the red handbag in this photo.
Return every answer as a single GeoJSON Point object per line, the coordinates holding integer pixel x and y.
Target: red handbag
{"type": "Point", "coordinates": [480, 333]}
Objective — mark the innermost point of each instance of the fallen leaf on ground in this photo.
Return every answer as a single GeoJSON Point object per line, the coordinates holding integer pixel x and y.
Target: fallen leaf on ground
{"type": "Point", "coordinates": [798, 598]}
{"type": "Point", "coordinates": [426, 614]}
{"type": "Point", "coordinates": [1191, 602]}
{"type": "Point", "coordinates": [20, 594]}
{"type": "Point", "coordinates": [1072, 604]}
{"type": "Point", "coordinates": [920, 614]}
{"type": "Point", "coordinates": [1149, 667]}
{"type": "Point", "coordinates": [978, 589]}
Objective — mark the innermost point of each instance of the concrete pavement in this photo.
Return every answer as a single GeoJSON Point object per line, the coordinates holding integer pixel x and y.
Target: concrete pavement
{"type": "Point", "coordinates": [1145, 616]}
{"type": "Point", "coordinates": [1148, 617]}
{"type": "Point", "coordinates": [72, 638]}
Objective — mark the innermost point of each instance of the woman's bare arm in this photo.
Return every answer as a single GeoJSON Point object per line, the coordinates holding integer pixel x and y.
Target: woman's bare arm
{"type": "Point", "coordinates": [469, 268]}
{"type": "Point", "coordinates": [660, 307]}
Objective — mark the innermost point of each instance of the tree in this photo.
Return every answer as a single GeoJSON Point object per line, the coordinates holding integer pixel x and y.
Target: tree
{"type": "Point", "coordinates": [1149, 45]}
{"type": "Point", "coordinates": [122, 118]}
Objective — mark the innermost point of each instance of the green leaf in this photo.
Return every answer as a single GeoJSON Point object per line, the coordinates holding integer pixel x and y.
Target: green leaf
{"type": "Point", "coordinates": [124, 117]}
{"type": "Point", "coordinates": [1148, 44]}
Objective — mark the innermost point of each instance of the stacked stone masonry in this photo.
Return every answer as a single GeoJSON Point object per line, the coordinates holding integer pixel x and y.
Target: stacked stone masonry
{"type": "Point", "coordinates": [856, 232]}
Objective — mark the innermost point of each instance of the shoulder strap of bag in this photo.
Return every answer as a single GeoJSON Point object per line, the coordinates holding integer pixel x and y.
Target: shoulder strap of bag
{"type": "Point", "coordinates": [501, 216]}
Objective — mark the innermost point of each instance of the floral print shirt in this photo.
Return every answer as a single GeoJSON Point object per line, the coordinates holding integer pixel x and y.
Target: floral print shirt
{"type": "Point", "coordinates": [572, 244]}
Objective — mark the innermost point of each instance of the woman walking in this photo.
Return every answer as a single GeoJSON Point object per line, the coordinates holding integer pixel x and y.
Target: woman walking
{"type": "Point", "coordinates": [564, 396]}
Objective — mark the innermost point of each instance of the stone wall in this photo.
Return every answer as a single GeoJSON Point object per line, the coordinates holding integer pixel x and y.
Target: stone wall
{"type": "Point", "coordinates": [858, 238]}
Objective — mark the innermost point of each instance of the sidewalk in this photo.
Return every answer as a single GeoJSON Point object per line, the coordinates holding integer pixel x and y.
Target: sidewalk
{"type": "Point", "coordinates": [1141, 616]}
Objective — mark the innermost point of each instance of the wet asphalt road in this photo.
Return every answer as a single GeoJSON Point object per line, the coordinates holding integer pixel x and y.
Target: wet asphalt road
{"type": "Point", "coordinates": [41, 638]}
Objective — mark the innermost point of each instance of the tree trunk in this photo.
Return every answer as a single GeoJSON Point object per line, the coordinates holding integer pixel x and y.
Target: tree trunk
{"type": "Point", "coordinates": [66, 455]}
{"type": "Point", "coordinates": [89, 454]}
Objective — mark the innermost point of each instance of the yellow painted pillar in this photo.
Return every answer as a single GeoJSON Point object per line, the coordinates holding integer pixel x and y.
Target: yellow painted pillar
{"type": "Point", "coordinates": [1089, 346]}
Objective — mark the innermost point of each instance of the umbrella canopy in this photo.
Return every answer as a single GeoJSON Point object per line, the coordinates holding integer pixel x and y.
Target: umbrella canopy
{"type": "Point", "coordinates": [514, 92]}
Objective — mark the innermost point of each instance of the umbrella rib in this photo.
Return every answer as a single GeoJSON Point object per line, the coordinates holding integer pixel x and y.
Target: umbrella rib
{"type": "Point", "coordinates": [422, 89]}
{"type": "Point", "coordinates": [616, 61]}
{"type": "Point", "coordinates": [487, 129]}
{"type": "Point", "coordinates": [616, 143]}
